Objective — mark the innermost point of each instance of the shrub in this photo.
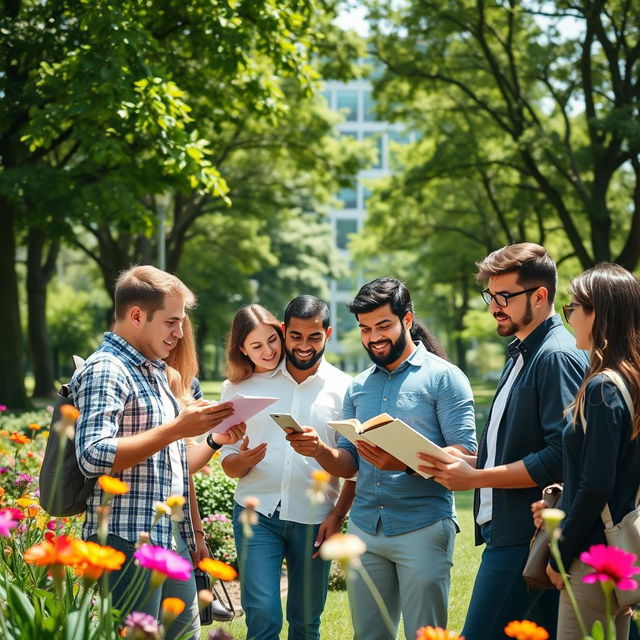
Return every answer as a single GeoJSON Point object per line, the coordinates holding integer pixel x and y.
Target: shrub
{"type": "Point", "coordinates": [214, 490]}
{"type": "Point", "coordinates": [337, 577]}
{"type": "Point", "coordinates": [218, 532]}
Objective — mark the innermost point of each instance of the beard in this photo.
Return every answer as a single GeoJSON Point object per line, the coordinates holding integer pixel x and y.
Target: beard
{"type": "Point", "coordinates": [303, 365]}
{"type": "Point", "coordinates": [394, 353]}
{"type": "Point", "coordinates": [513, 327]}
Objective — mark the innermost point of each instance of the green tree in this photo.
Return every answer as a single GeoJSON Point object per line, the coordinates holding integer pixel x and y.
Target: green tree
{"type": "Point", "coordinates": [555, 85]}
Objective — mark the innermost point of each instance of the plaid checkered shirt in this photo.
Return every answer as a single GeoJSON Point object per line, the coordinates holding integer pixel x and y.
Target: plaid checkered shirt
{"type": "Point", "coordinates": [117, 391]}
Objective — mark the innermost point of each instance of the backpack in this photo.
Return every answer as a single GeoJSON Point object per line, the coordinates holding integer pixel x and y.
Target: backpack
{"type": "Point", "coordinates": [67, 494]}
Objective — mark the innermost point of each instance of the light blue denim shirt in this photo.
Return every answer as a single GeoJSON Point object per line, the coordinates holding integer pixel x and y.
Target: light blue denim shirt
{"type": "Point", "coordinates": [435, 398]}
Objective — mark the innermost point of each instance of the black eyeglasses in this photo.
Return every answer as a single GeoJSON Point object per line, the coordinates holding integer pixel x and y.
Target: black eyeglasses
{"type": "Point", "coordinates": [568, 310]}
{"type": "Point", "coordinates": [502, 299]}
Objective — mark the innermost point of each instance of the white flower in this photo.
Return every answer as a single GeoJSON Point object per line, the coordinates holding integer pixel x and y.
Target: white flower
{"type": "Point", "coordinates": [343, 547]}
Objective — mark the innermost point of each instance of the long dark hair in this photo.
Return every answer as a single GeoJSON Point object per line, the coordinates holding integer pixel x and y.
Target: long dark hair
{"type": "Point", "coordinates": [613, 294]}
{"type": "Point", "coordinates": [420, 333]}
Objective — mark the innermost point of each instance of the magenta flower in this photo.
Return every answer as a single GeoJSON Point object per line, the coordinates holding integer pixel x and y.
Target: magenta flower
{"type": "Point", "coordinates": [141, 626]}
{"type": "Point", "coordinates": [610, 563]}
{"type": "Point", "coordinates": [23, 481]}
{"type": "Point", "coordinates": [163, 561]}
{"type": "Point", "coordinates": [3, 407]}
{"type": "Point", "coordinates": [7, 522]}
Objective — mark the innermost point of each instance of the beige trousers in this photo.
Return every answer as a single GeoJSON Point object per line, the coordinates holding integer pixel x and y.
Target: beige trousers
{"type": "Point", "coordinates": [590, 599]}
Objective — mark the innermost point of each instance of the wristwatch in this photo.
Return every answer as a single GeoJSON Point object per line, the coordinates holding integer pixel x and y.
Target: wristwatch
{"type": "Point", "coordinates": [212, 443]}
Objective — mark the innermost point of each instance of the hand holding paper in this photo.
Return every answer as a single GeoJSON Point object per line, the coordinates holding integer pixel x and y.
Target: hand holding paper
{"type": "Point", "coordinates": [244, 407]}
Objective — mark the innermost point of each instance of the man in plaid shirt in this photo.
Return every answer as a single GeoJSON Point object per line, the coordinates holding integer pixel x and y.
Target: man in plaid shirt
{"type": "Point", "coordinates": [130, 427]}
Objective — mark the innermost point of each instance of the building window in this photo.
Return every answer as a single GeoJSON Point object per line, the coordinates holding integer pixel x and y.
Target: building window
{"type": "Point", "coordinates": [376, 139]}
{"type": "Point", "coordinates": [349, 134]}
{"type": "Point", "coordinates": [348, 283]}
{"type": "Point", "coordinates": [368, 107]}
{"type": "Point", "coordinates": [349, 197]}
{"type": "Point", "coordinates": [348, 100]}
{"type": "Point", "coordinates": [344, 228]}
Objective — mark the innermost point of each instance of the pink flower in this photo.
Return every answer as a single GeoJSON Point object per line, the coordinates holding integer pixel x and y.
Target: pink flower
{"type": "Point", "coordinates": [163, 561]}
{"type": "Point", "coordinates": [7, 522]}
{"type": "Point", "coordinates": [142, 626]}
{"type": "Point", "coordinates": [3, 407]}
{"type": "Point", "coordinates": [610, 563]}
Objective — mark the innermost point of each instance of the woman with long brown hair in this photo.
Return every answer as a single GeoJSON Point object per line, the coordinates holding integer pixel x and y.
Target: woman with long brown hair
{"type": "Point", "coordinates": [601, 448]}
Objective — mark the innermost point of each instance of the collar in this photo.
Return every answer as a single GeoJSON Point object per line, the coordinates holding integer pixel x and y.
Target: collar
{"type": "Point", "coordinates": [282, 367]}
{"type": "Point", "coordinates": [416, 359]}
{"type": "Point", "coordinates": [129, 352]}
{"type": "Point", "coordinates": [535, 338]}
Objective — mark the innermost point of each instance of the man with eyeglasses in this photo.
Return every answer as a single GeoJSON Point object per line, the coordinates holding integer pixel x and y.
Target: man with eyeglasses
{"type": "Point", "coordinates": [520, 450]}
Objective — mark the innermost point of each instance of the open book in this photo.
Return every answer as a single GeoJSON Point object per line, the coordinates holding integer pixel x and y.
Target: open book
{"type": "Point", "coordinates": [395, 437]}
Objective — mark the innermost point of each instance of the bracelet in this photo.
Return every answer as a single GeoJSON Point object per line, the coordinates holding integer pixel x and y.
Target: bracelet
{"type": "Point", "coordinates": [212, 443]}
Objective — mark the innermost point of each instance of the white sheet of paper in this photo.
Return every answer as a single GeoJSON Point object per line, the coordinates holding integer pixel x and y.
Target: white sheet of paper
{"type": "Point", "coordinates": [244, 407]}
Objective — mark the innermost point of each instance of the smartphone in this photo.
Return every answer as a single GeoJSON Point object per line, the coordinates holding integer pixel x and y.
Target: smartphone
{"type": "Point", "coordinates": [286, 421]}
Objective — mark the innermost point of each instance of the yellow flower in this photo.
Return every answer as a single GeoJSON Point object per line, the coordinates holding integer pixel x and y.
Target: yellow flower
{"type": "Point", "coordinates": [112, 485]}
{"type": "Point", "coordinates": [26, 501]}
{"type": "Point", "coordinates": [35, 427]}
{"type": "Point", "coordinates": [176, 504]}
{"type": "Point", "coordinates": [343, 547]}
{"type": "Point", "coordinates": [525, 630]}
{"type": "Point", "coordinates": [217, 569]}
{"type": "Point", "coordinates": [320, 477]}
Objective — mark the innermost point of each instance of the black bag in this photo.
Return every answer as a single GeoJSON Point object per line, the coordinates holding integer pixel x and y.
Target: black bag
{"type": "Point", "coordinates": [72, 488]}
{"type": "Point", "coordinates": [217, 610]}
{"type": "Point", "coordinates": [535, 570]}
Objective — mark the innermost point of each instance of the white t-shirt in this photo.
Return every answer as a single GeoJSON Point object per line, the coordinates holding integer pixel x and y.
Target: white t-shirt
{"type": "Point", "coordinates": [486, 494]}
{"type": "Point", "coordinates": [177, 476]}
{"type": "Point", "coordinates": [283, 476]}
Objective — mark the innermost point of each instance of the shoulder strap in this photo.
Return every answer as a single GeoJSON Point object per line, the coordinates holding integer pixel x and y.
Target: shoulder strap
{"type": "Point", "coordinates": [619, 381]}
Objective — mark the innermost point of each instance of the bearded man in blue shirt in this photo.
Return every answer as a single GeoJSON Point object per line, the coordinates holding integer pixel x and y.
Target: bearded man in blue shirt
{"type": "Point", "coordinates": [407, 522]}
{"type": "Point", "coordinates": [521, 446]}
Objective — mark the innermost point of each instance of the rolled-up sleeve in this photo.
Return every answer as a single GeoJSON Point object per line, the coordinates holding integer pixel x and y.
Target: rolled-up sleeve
{"type": "Point", "coordinates": [558, 379]}
{"type": "Point", "coordinates": [100, 392]}
{"type": "Point", "coordinates": [455, 409]}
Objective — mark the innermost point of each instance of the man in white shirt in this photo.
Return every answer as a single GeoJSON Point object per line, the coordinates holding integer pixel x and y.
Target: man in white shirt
{"type": "Point", "coordinates": [292, 518]}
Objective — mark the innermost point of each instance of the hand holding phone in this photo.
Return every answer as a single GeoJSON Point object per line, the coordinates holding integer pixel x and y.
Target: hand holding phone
{"type": "Point", "coordinates": [286, 421]}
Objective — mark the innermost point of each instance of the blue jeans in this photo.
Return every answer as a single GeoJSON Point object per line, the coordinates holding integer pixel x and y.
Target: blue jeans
{"type": "Point", "coordinates": [261, 558]}
{"type": "Point", "coordinates": [500, 594]}
{"type": "Point", "coordinates": [120, 583]}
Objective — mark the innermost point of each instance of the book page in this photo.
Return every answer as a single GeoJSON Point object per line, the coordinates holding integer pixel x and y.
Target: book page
{"type": "Point", "coordinates": [404, 442]}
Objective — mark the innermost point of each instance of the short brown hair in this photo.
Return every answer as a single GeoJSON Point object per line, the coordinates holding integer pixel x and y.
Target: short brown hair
{"type": "Point", "coordinates": [247, 318]}
{"type": "Point", "coordinates": [147, 287]}
{"type": "Point", "coordinates": [530, 261]}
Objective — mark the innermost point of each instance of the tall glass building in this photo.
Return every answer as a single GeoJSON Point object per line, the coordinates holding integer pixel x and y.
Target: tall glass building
{"type": "Point", "coordinates": [355, 101]}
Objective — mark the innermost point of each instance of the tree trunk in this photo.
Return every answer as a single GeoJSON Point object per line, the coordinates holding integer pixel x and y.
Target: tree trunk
{"type": "Point", "coordinates": [12, 390]}
{"type": "Point", "coordinates": [39, 275]}
{"type": "Point", "coordinates": [460, 344]}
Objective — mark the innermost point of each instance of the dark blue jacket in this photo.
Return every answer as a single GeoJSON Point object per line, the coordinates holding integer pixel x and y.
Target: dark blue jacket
{"type": "Point", "coordinates": [532, 424]}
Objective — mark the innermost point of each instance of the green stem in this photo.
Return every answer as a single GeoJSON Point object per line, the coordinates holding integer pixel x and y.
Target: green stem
{"type": "Point", "coordinates": [377, 597]}
{"type": "Point", "coordinates": [610, 627]}
{"type": "Point", "coordinates": [555, 552]}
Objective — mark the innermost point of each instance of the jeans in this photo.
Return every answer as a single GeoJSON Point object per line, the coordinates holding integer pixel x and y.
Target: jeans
{"type": "Point", "coordinates": [261, 557]}
{"type": "Point", "coordinates": [121, 583]}
{"type": "Point", "coordinates": [500, 594]}
{"type": "Point", "coordinates": [412, 573]}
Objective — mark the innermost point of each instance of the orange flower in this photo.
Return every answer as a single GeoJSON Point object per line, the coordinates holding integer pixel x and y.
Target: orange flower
{"type": "Point", "coordinates": [4, 432]}
{"type": "Point", "coordinates": [525, 630]}
{"type": "Point", "coordinates": [58, 551]}
{"type": "Point", "coordinates": [1, 491]}
{"type": "Point", "coordinates": [436, 633]}
{"type": "Point", "coordinates": [35, 427]}
{"type": "Point", "coordinates": [174, 606]}
{"type": "Point", "coordinates": [69, 412]}
{"type": "Point", "coordinates": [19, 438]}
{"type": "Point", "coordinates": [217, 569]}
{"type": "Point", "coordinates": [112, 485]}
{"type": "Point", "coordinates": [93, 559]}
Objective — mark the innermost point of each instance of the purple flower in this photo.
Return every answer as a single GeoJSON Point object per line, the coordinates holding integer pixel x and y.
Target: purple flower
{"type": "Point", "coordinates": [23, 480]}
{"type": "Point", "coordinates": [219, 517]}
{"type": "Point", "coordinates": [141, 626]}
{"type": "Point", "coordinates": [4, 470]}
{"type": "Point", "coordinates": [219, 634]}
